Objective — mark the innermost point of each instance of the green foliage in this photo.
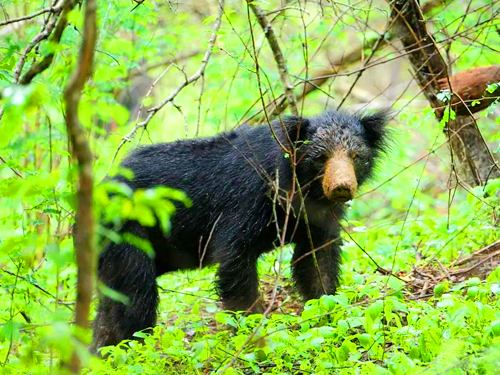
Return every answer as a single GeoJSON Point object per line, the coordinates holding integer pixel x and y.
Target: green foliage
{"type": "Point", "coordinates": [353, 332]}
{"type": "Point", "coordinates": [376, 324]}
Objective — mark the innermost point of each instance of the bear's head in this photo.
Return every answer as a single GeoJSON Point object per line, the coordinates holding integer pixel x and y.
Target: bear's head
{"type": "Point", "coordinates": [336, 151]}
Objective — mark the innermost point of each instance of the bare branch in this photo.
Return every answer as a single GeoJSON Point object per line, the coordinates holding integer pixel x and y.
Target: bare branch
{"type": "Point", "coordinates": [12, 168]}
{"type": "Point", "coordinates": [45, 62]}
{"type": "Point", "coordinates": [55, 9]}
{"type": "Point", "coordinates": [200, 72]}
{"type": "Point", "coordinates": [44, 34]}
{"type": "Point", "coordinates": [322, 76]}
{"type": "Point", "coordinates": [278, 55]}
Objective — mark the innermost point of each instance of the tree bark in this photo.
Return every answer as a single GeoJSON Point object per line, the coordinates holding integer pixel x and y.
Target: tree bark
{"type": "Point", "coordinates": [84, 229]}
{"type": "Point", "coordinates": [472, 161]}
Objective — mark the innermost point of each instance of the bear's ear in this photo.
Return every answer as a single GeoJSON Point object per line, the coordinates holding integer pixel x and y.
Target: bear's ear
{"type": "Point", "coordinates": [295, 128]}
{"type": "Point", "coordinates": [375, 127]}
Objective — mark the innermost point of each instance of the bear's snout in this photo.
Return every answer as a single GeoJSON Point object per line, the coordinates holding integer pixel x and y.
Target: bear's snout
{"type": "Point", "coordinates": [339, 182]}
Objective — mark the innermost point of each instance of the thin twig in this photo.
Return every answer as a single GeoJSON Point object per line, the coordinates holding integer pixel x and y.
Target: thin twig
{"type": "Point", "coordinates": [55, 9]}
{"type": "Point", "coordinates": [12, 168]}
{"type": "Point", "coordinates": [188, 81]}
{"type": "Point", "coordinates": [36, 285]}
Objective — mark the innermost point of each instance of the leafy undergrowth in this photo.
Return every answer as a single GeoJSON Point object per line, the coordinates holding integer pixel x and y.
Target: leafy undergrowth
{"type": "Point", "coordinates": [436, 312]}
{"type": "Point", "coordinates": [373, 325]}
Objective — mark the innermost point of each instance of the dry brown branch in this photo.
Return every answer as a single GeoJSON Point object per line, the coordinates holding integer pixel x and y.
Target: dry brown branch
{"type": "Point", "coordinates": [430, 5]}
{"type": "Point", "coordinates": [470, 87]}
{"type": "Point", "coordinates": [322, 76]}
{"type": "Point", "coordinates": [479, 264]}
{"type": "Point", "coordinates": [15, 27]}
{"type": "Point", "coordinates": [366, 62]}
{"type": "Point", "coordinates": [84, 228]}
{"type": "Point", "coordinates": [60, 24]}
{"type": "Point", "coordinates": [278, 55]}
{"type": "Point", "coordinates": [469, 151]}
{"type": "Point", "coordinates": [474, 269]}
{"type": "Point", "coordinates": [492, 247]}
{"type": "Point", "coordinates": [55, 9]}
{"type": "Point", "coordinates": [44, 34]}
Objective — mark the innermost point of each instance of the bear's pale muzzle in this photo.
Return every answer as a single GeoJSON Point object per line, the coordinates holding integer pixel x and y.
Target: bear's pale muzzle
{"type": "Point", "coordinates": [339, 182]}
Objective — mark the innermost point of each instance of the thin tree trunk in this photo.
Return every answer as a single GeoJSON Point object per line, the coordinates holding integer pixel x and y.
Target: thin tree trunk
{"type": "Point", "coordinates": [84, 228]}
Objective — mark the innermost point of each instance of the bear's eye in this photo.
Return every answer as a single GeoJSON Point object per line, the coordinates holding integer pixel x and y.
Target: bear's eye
{"type": "Point", "coordinates": [353, 154]}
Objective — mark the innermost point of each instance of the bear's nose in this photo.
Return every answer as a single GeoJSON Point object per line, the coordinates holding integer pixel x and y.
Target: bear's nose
{"type": "Point", "coordinates": [341, 193]}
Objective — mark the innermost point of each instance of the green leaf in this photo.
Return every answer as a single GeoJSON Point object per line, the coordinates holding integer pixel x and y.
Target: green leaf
{"type": "Point", "coordinates": [113, 294]}
{"type": "Point", "coordinates": [138, 242]}
{"type": "Point", "coordinates": [495, 328]}
{"type": "Point", "coordinates": [326, 331]}
{"type": "Point", "coordinates": [375, 309]}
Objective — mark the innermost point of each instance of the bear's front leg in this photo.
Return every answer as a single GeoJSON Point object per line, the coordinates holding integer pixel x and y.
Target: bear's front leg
{"type": "Point", "coordinates": [237, 282]}
{"type": "Point", "coordinates": [316, 278]}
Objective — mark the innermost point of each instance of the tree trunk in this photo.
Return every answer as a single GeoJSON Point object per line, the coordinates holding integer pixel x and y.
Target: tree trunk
{"type": "Point", "coordinates": [472, 161]}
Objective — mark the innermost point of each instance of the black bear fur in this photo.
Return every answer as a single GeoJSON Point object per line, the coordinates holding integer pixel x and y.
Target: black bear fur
{"type": "Point", "coordinates": [232, 181]}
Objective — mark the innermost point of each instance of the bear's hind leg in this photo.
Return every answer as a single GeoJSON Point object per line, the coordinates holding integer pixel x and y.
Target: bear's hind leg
{"type": "Point", "coordinates": [131, 272]}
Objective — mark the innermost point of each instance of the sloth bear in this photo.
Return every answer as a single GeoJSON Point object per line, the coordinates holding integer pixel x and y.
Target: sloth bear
{"type": "Point", "coordinates": [244, 188]}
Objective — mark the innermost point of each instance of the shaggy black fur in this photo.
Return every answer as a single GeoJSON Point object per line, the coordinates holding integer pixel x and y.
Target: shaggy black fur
{"type": "Point", "coordinates": [231, 179]}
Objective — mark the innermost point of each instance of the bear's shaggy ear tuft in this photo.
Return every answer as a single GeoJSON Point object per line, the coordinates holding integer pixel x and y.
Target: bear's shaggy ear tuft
{"type": "Point", "coordinates": [375, 127]}
{"type": "Point", "coordinates": [295, 128]}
